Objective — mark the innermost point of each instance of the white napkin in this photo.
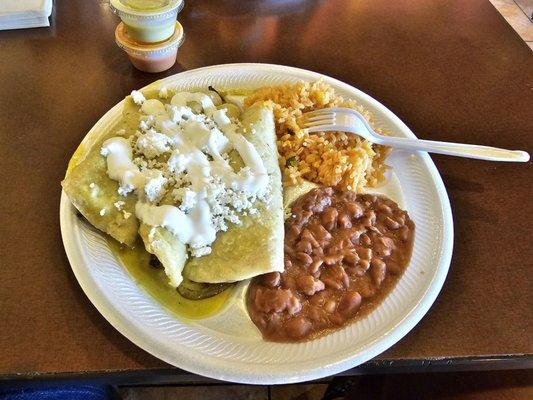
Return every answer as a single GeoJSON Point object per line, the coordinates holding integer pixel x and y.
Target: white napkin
{"type": "Point", "coordinates": [18, 14]}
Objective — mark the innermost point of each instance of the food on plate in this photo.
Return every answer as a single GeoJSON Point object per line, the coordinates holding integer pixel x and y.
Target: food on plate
{"type": "Point", "coordinates": [186, 302]}
{"type": "Point", "coordinates": [292, 192]}
{"type": "Point", "coordinates": [234, 256]}
{"type": "Point", "coordinates": [203, 189]}
{"type": "Point", "coordinates": [94, 194]}
{"type": "Point", "coordinates": [193, 183]}
{"type": "Point", "coordinates": [343, 253]}
{"type": "Point", "coordinates": [327, 158]}
{"type": "Point", "coordinates": [197, 290]}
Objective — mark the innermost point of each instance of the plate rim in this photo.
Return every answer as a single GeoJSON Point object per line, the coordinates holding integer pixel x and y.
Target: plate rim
{"type": "Point", "coordinates": [380, 344]}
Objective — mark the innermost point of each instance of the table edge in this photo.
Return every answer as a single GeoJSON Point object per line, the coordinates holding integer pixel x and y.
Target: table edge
{"type": "Point", "coordinates": [169, 376]}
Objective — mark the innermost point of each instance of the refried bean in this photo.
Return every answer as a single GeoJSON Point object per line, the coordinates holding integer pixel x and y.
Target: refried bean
{"type": "Point", "coordinates": [343, 253]}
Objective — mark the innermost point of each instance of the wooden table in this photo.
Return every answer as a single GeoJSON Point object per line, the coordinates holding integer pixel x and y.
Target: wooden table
{"type": "Point", "coordinates": [452, 70]}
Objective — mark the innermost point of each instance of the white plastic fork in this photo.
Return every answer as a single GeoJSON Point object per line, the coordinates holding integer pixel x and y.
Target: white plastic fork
{"type": "Point", "coordinates": [348, 120]}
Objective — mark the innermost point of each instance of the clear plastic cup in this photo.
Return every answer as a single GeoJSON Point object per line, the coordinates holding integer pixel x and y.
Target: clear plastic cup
{"type": "Point", "coordinates": [155, 57]}
{"type": "Point", "coordinates": [148, 21]}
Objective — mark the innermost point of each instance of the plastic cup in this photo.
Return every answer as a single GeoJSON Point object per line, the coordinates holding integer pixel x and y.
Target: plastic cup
{"type": "Point", "coordinates": [155, 57]}
{"type": "Point", "coordinates": [148, 24]}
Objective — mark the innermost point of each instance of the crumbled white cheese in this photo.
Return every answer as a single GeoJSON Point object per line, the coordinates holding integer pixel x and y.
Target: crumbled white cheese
{"type": "Point", "coordinates": [201, 251]}
{"type": "Point", "coordinates": [92, 185]}
{"type": "Point", "coordinates": [186, 197]}
{"type": "Point", "coordinates": [102, 212]}
{"type": "Point", "coordinates": [149, 119]}
{"type": "Point", "coordinates": [153, 144]}
{"type": "Point", "coordinates": [178, 162]}
{"type": "Point", "coordinates": [125, 190]}
{"type": "Point", "coordinates": [221, 118]}
{"type": "Point", "coordinates": [144, 126]}
{"type": "Point", "coordinates": [178, 113]}
{"type": "Point", "coordinates": [138, 97]}
{"type": "Point", "coordinates": [183, 148]}
{"type": "Point", "coordinates": [154, 188]}
{"type": "Point", "coordinates": [163, 92]}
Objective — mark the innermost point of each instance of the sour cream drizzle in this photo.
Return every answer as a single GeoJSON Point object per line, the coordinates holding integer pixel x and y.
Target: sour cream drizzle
{"type": "Point", "coordinates": [120, 166]}
{"type": "Point", "coordinates": [194, 229]}
{"type": "Point", "coordinates": [198, 147]}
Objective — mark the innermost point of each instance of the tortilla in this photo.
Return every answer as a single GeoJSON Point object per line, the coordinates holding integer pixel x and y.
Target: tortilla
{"type": "Point", "coordinates": [255, 246]}
{"type": "Point", "coordinates": [167, 248]}
{"type": "Point", "coordinates": [291, 193]}
{"type": "Point", "coordinates": [94, 194]}
{"type": "Point", "coordinates": [234, 252]}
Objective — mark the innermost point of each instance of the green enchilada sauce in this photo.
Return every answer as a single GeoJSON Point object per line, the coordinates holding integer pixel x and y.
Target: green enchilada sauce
{"type": "Point", "coordinates": [155, 283]}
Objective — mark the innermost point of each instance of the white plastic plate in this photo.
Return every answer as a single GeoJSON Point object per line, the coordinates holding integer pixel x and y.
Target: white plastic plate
{"type": "Point", "coordinates": [227, 346]}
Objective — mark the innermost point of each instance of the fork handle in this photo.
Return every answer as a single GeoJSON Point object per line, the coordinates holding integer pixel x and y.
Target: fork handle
{"type": "Point", "coordinates": [456, 149]}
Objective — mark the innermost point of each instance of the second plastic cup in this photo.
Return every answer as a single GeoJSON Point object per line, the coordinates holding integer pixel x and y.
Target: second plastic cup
{"type": "Point", "coordinates": [156, 57]}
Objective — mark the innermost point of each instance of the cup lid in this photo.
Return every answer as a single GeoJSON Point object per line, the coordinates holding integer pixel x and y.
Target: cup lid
{"type": "Point", "coordinates": [145, 8]}
{"type": "Point", "coordinates": [148, 49]}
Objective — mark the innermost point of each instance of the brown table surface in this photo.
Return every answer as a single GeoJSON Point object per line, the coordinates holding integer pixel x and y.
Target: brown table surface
{"type": "Point", "coordinates": [451, 70]}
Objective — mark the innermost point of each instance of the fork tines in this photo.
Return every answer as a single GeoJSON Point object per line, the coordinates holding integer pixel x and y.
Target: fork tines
{"type": "Point", "coordinates": [318, 117]}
